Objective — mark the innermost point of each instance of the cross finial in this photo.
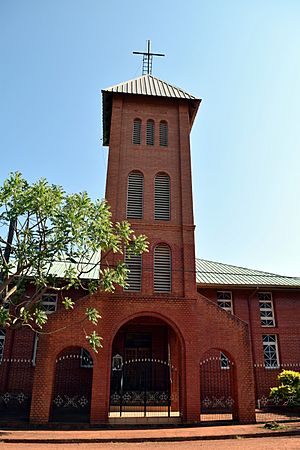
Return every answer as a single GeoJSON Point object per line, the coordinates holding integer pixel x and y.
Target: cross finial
{"type": "Point", "coordinates": [147, 59]}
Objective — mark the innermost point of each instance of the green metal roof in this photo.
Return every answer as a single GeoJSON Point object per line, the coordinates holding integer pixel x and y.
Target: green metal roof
{"type": "Point", "coordinates": [89, 269]}
{"type": "Point", "coordinates": [210, 273]}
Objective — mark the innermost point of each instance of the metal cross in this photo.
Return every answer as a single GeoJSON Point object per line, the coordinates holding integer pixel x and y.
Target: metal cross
{"type": "Point", "coordinates": [147, 59]}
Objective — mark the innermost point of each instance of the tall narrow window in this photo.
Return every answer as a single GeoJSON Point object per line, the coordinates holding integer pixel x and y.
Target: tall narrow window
{"type": "Point", "coordinates": [224, 299]}
{"type": "Point", "coordinates": [266, 309]}
{"type": "Point", "coordinates": [162, 197]}
{"type": "Point", "coordinates": [150, 132]}
{"type": "Point", "coordinates": [137, 128]}
{"type": "Point", "coordinates": [270, 347]}
{"type": "Point", "coordinates": [2, 340]}
{"type": "Point", "coordinates": [134, 279]}
{"type": "Point", "coordinates": [163, 134]}
{"type": "Point", "coordinates": [162, 268]}
{"type": "Point", "coordinates": [135, 194]}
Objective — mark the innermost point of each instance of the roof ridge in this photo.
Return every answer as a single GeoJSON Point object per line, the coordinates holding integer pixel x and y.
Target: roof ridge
{"type": "Point", "coordinates": [153, 78]}
{"type": "Point", "coordinates": [246, 268]}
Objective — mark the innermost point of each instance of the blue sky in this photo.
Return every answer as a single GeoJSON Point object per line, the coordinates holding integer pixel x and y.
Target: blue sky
{"type": "Point", "coordinates": [241, 57]}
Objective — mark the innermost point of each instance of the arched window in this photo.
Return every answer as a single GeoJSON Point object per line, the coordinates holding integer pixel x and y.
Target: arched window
{"type": "Point", "coordinates": [135, 194]}
{"type": "Point", "coordinates": [134, 279]}
{"type": "Point", "coordinates": [137, 128]}
{"type": "Point", "coordinates": [162, 197]}
{"type": "Point", "coordinates": [150, 132]}
{"type": "Point", "coordinates": [162, 268]}
{"type": "Point", "coordinates": [163, 134]}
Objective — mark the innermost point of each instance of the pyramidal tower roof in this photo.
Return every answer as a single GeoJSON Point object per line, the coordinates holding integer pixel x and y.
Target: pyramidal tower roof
{"type": "Point", "coordinates": [144, 85]}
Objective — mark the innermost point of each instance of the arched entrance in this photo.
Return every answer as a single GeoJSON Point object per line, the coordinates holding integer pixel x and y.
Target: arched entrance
{"type": "Point", "coordinates": [71, 398]}
{"type": "Point", "coordinates": [145, 371]}
{"type": "Point", "coordinates": [218, 399]}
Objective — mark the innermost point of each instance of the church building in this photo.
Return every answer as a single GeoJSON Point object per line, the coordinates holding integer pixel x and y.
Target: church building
{"type": "Point", "coordinates": [189, 340]}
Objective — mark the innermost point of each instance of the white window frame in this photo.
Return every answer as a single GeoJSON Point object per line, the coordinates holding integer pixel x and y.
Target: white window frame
{"type": "Point", "coordinates": [224, 300]}
{"type": "Point", "coordinates": [49, 306]}
{"type": "Point", "coordinates": [2, 343]}
{"type": "Point", "coordinates": [270, 344]}
{"type": "Point", "coordinates": [86, 361]}
{"type": "Point", "coordinates": [266, 309]}
{"type": "Point", "coordinates": [35, 348]}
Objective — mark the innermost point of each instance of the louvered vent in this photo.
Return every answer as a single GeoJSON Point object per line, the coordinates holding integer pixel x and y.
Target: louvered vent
{"type": "Point", "coordinates": [134, 279]}
{"type": "Point", "coordinates": [150, 132]}
{"type": "Point", "coordinates": [162, 197]}
{"type": "Point", "coordinates": [137, 127]}
{"type": "Point", "coordinates": [163, 134]}
{"type": "Point", "coordinates": [135, 193]}
{"type": "Point", "coordinates": [162, 268]}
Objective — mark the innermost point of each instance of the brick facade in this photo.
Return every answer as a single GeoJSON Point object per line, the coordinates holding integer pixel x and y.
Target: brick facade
{"type": "Point", "coordinates": [185, 325]}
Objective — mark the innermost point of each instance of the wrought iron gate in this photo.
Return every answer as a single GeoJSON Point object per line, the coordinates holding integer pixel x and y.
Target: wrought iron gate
{"type": "Point", "coordinates": [144, 387]}
{"type": "Point", "coordinates": [16, 378]}
{"type": "Point", "coordinates": [71, 401]}
{"type": "Point", "coordinates": [216, 382]}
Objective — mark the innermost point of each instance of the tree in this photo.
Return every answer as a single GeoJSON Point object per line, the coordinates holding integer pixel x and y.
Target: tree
{"type": "Point", "coordinates": [41, 225]}
{"type": "Point", "coordinates": [289, 389]}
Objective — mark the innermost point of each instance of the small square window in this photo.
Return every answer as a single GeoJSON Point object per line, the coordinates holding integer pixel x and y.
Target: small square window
{"type": "Point", "coordinates": [49, 303]}
{"type": "Point", "coordinates": [224, 300]}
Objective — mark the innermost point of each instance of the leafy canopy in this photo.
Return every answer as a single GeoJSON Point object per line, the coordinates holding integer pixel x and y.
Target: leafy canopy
{"type": "Point", "coordinates": [40, 226]}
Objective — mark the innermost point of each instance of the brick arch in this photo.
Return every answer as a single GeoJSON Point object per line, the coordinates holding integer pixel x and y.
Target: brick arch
{"type": "Point", "coordinates": [216, 349]}
{"type": "Point", "coordinates": [72, 384]}
{"type": "Point", "coordinates": [172, 340]}
{"type": "Point", "coordinates": [147, 313]}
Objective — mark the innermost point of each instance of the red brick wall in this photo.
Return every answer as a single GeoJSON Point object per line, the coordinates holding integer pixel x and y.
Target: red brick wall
{"type": "Point", "coordinates": [125, 157]}
{"type": "Point", "coordinates": [286, 305]}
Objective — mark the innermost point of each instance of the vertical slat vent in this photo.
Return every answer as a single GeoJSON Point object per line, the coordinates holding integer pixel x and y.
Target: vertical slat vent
{"type": "Point", "coordinates": [150, 132]}
{"type": "Point", "coordinates": [134, 279]}
{"type": "Point", "coordinates": [137, 128]}
{"type": "Point", "coordinates": [163, 134]}
{"type": "Point", "coordinates": [162, 268]}
{"type": "Point", "coordinates": [135, 194]}
{"type": "Point", "coordinates": [162, 197]}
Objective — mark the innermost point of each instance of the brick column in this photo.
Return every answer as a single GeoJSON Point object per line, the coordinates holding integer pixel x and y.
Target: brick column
{"type": "Point", "coordinates": [42, 389]}
{"type": "Point", "coordinates": [100, 389]}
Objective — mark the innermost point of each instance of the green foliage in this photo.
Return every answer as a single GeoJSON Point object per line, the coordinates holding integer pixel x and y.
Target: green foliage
{"type": "Point", "coordinates": [289, 387]}
{"type": "Point", "coordinates": [40, 226]}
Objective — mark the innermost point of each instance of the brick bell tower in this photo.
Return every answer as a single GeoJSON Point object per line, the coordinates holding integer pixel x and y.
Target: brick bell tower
{"type": "Point", "coordinates": [147, 124]}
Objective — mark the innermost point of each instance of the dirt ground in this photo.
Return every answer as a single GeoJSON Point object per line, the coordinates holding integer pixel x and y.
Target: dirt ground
{"type": "Point", "coordinates": [276, 443]}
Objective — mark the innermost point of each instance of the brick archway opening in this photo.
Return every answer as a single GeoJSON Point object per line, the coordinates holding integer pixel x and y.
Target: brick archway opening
{"type": "Point", "coordinates": [72, 388]}
{"type": "Point", "coordinates": [217, 387]}
{"type": "Point", "coordinates": [145, 372]}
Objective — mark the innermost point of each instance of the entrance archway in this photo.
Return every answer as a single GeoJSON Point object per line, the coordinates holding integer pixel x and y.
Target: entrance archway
{"type": "Point", "coordinates": [71, 398]}
{"type": "Point", "coordinates": [218, 399]}
{"type": "Point", "coordinates": [145, 371]}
